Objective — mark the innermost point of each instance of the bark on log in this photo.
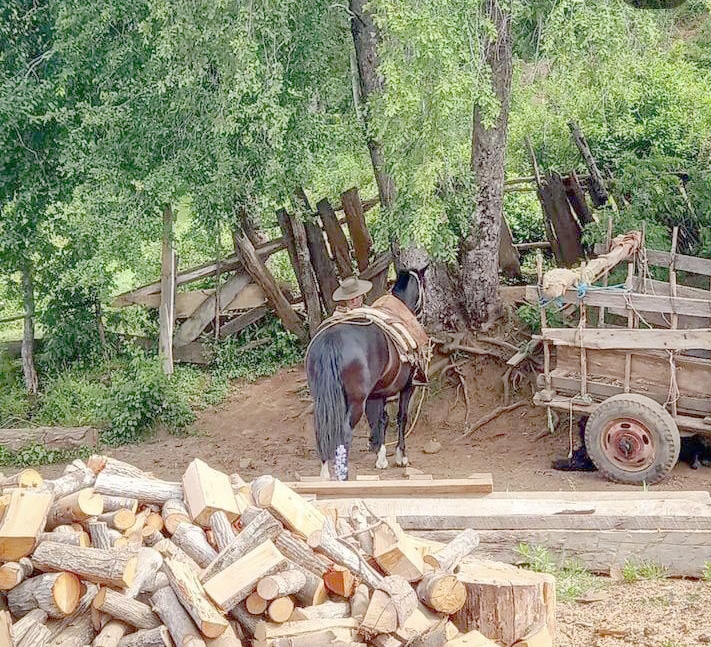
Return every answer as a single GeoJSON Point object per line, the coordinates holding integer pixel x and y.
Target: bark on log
{"type": "Point", "coordinates": [78, 506]}
{"type": "Point", "coordinates": [113, 466]}
{"type": "Point", "coordinates": [504, 602]}
{"type": "Point", "coordinates": [246, 621]}
{"type": "Point", "coordinates": [173, 512]}
{"type": "Point", "coordinates": [111, 568]}
{"type": "Point", "coordinates": [71, 482]}
{"type": "Point", "coordinates": [442, 592]}
{"type": "Point", "coordinates": [192, 540]}
{"type": "Point", "coordinates": [314, 591]}
{"type": "Point", "coordinates": [56, 593]}
{"type": "Point", "coordinates": [299, 552]}
{"type": "Point", "coordinates": [306, 265]}
{"type": "Point", "coordinates": [325, 611]}
{"type": "Point", "coordinates": [121, 607]}
{"type": "Point", "coordinates": [281, 584]}
{"type": "Point", "coordinates": [23, 478]}
{"type": "Point", "coordinates": [110, 635]}
{"type": "Point", "coordinates": [180, 625]}
{"type": "Point", "coordinates": [192, 596]}
{"type": "Point", "coordinates": [222, 529]}
{"type": "Point", "coordinates": [113, 503]}
{"type": "Point", "coordinates": [453, 553]}
{"type": "Point", "coordinates": [145, 490]}
{"type": "Point", "coordinates": [78, 633]}
{"type": "Point", "coordinates": [121, 519]}
{"type": "Point", "coordinates": [158, 637]}
{"type": "Point", "coordinates": [280, 609]}
{"type": "Point", "coordinates": [70, 629]}
{"type": "Point", "coordinates": [23, 625]}
{"type": "Point", "coordinates": [36, 636]}
{"type": "Point", "coordinates": [263, 527]}
{"type": "Point", "coordinates": [24, 520]}
{"type": "Point", "coordinates": [99, 532]}
{"type": "Point", "coordinates": [359, 518]}
{"type": "Point", "coordinates": [168, 549]}
{"type": "Point", "coordinates": [266, 632]}
{"type": "Point", "coordinates": [327, 542]}
{"type": "Point", "coordinates": [148, 562]}
{"type": "Point", "coordinates": [12, 573]}
{"type": "Point", "coordinates": [53, 437]}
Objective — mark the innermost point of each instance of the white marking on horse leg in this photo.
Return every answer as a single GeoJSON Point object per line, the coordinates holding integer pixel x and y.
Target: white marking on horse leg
{"type": "Point", "coordinates": [325, 475]}
{"type": "Point", "coordinates": [382, 462]}
{"type": "Point", "coordinates": [400, 458]}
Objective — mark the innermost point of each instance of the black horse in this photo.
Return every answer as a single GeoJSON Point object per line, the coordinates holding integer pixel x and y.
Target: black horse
{"type": "Point", "coordinates": [352, 369]}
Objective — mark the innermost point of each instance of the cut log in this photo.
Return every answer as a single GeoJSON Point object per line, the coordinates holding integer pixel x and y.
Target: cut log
{"type": "Point", "coordinates": [36, 636]}
{"type": "Point", "coordinates": [359, 602]}
{"type": "Point", "coordinates": [325, 638]}
{"type": "Point", "coordinates": [298, 514]}
{"type": "Point", "coordinates": [99, 532]}
{"type": "Point", "coordinates": [442, 592]}
{"type": "Point", "coordinates": [77, 627]}
{"type": "Point", "coordinates": [24, 520]}
{"type": "Point", "coordinates": [325, 611]}
{"type": "Point", "coordinates": [391, 604]}
{"type": "Point", "coordinates": [192, 540]}
{"type": "Point", "coordinates": [280, 609]}
{"type": "Point", "coordinates": [23, 478]}
{"type": "Point", "coordinates": [504, 602]}
{"type": "Point", "coordinates": [397, 555]}
{"type": "Point", "coordinates": [148, 561]}
{"type": "Point", "coordinates": [208, 490]}
{"type": "Point", "coordinates": [359, 518]}
{"type": "Point", "coordinates": [263, 527]}
{"type": "Point", "coordinates": [78, 506]}
{"type": "Point", "coordinates": [340, 580]}
{"type": "Point", "coordinates": [228, 638]}
{"type": "Point", "coordinates": [73, 481]}
{"type": "Point", "coordinates": [281, 584]}
{"type": "Point", "coordinates": [453, 553]}
{"type": "Point", "coordinates": [138, 523]}
{"type": "Point", "coordinates": [246, 620]}
{"type": "Point", "coordinates": [168, 549]}
{"type": "Point", "coordinates": [111, 568]}
{"type": "Point", "coordinates": [158, 637]}
{"type": "Point", "coordinates": [51, 437]}
{"type": "Point", "coordinates": [233, 584]}
{"type": "Point", "coordinates": [190, 592]}
{"type": "Point", "coordinates": [174, 511]}
{"type": "Point", "coordinates": [113, 503]}
{"type": "Point", "coordinates": [56, 593]}
{"type": "Point", "coordinates": [266, 632]}
{"type": "Point", "coordinates": [327, 542]}
{"type": "Point", "coordinates": [145, 489]}
{"type": "Point", "coordinates": [110, 635]}
{"type": "Point", "coordinates": [23, 625]}
{"type": "Point", "coordinates": [12, 573]}
{"type": "Point", "coordinates": [180, 625]}
{"type": "Point", "coordinates": [98, 463]}
{"type": "Point", "coordinates": [539, 637]}
{"type": "Point", "coordinates": [121, 607]}
{"type": "Point", "coordinates": [222, 529]}
{"type": "Point", "coordinates": [121, 519]}
{"type": "Point", "coordinates": [471, 639]}
{"type": "Point", "coordinates": [299, 552]}
{"type": "Point", "coordinates": [256, 604]}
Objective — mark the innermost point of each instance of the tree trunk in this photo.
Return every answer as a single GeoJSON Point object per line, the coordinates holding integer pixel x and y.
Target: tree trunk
{"type": "Point", "coordinates": [479, 251]}
{"type": "Point", "coordinates": [28, 336]}
{"type": "Point", "coordinates": [167, 293]}
{"type": "Point", "coordinates": [366, 38]}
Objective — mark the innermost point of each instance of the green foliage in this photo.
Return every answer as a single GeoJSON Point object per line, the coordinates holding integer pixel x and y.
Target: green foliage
{"type": "Point", "coordinates": [530, 315]}
{"type": "Point", "coordinates": [73, 398]}
{"type": "Point", "coordinates": [706, 575]}
{"type": "Point", "coordinates": [35, 454]}
{"type": "Point", "coordinates": [645, 570]}
{"type": "Point", "coordinates": [572, 579]}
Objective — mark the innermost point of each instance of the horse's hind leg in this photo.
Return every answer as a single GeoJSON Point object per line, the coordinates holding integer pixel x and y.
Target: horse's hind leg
{"type": "Point", "coordinates": [378, 420]}
{"type": "Point", "coordinates": [405, 395]}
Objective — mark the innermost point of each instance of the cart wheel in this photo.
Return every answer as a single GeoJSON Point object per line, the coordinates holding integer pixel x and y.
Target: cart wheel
{"type": "Point", "coordinates": [632, 439]}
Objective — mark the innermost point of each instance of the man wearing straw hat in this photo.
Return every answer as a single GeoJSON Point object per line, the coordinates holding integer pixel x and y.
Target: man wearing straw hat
{"type": "Point", "coordinates": [351, 293]}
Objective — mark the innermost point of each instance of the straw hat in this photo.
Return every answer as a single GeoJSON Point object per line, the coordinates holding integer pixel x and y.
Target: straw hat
{"type": "Point", "coordinates": [351, 288]}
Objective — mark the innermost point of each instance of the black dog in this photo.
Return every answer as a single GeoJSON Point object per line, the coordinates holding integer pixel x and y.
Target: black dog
{"type": "Point", "coordinates": [579, 461]}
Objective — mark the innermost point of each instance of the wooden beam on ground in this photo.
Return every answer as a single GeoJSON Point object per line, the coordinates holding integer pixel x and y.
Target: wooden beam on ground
{"type": "Point", "coordinates": [336, 238]}
{"type": "Point", "coordinates": [259, 272]}
{"type": "Point", "coordinates": [240, 322]}
{"type": "Point", "coordinates": [50, 437]}
{"type": "Point", "coordinates": [476, 484]}
{"type": "Point", "coordinates": [355, 220]}
{"type": "Point", "coordinates": [629, 339]}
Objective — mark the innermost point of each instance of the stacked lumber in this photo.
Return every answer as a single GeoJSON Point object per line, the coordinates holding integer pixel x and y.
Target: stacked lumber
{"type": "Point", "coordinates": [110, 556]}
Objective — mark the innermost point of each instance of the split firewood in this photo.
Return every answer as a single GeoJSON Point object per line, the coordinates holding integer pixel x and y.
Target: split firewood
{"type": "Point", "coordinates": [391, 604]}
{"type": "Point", "coordinates": [442, 592]}
{"type": "Point", "coordinates": [359, 602]}
{"type": "Point", "coordinates": [208, 490]}
{"type": "Point", "coordinates": [173, 512]}
{"type": "Point", "coordinates": [110, 635]}
{"type": "Point", "coordinates": [327, 638]}
{"type": "Point", "coordinates": [111, 568]}
{"type": "Point", "coordinates": [233, 584]}
{"type": "Point", "coordinates": [359, 517]}
{"type": "Point", "coordinates": [222, 529]}
{"type": "Point", "coordinates": [121, 607]}
{"type": "Point", "coordinates": [23, 625]}
{"type": "Point", "coordinates": [256, 604]}
{"type": "Point", "coordinates": [36, 636]}
{"type": "Point", "coordinates": [158, 637]}
{"type": "Point", "coordinates": [192, 596]}
{"type": "Point", "coordinates": [139, 522]}
{"type": "Point", "coordinates": [267, 632]}
{"type": "Point", "coordinates": [24, 520]}
{"type": "Point", "coordinates": [340, 580]}
{"type": "Point", "coordinates": [192, 540]}
{"type": "Point", "coordinates": [538, 637]}
{"type": "Point", "coordinates": [453, 553]}
{"type": "Point", "coordinates": [12, 573]}
{"type": "Point", "coordinates": [168, 549]}
{"type": "Point", "coordinates": [262, 528]}
{"type": "Point", "coordinates": [143, 489]}
{"type": "Point", "coordinates": [148, 562]}
{"type": "Point", "coordinates": [281, 584]}
{"type": "Point", "coordinates": [228, 638]}
{"type": "Point", "coordinates": [396, 555]}
{"type": "Point", "coordinates": [325, 611]}
{"type": "Point", "coordinates": [113, 503]}
{"type": "Point", "coordinates": [280, 609]}
{"type": "Point", "coordinates": [154, 521]}
{"type": "Point", "coordinates": [56, 593]}
{"type": "Point", "coordinates": [78, 506]}
{"type": "Point", "coordinates": [74, 626]}
{"type": "Point", "coordinates": [179, 623]}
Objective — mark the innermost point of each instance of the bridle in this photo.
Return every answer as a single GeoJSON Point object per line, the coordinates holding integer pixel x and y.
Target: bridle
{"type": "Point", "coordinates": [420, 292]}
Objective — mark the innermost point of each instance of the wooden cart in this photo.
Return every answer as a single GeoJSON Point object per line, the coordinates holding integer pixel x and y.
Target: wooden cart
{"type": "Point", "coordinates": [642, 385]}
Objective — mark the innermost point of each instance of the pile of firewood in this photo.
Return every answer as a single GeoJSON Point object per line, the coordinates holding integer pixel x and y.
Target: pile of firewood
{"type": "Point", "coordinates": [107, 555]}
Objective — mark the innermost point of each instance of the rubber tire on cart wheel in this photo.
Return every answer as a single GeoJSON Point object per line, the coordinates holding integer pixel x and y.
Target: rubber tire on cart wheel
{"type": "Point", "coordinates": [629, 421]}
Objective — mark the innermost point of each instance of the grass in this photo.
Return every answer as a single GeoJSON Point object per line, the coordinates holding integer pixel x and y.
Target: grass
{"type": "Point", "coordinates": [644, 570]}
{"type": "Point", "coordinates": [706, 575]}
{"type": "Point", "coordinates": [37, 454]}
{"type": "Point", "coordinates": [572, 580]}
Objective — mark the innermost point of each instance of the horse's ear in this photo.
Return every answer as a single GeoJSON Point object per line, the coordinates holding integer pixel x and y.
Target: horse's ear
{"type": "Point", "coordinates": [422, 270]}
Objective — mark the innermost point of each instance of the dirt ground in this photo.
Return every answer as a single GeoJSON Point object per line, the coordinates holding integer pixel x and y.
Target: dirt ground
{"type": "Point", "coordinates": [265, 427]}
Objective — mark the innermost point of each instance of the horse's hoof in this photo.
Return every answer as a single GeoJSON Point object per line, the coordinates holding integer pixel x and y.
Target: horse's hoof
{"type": "Point", "coordinates": [400, 458]}
{"type": "Point", "coordinates": [382, 462]}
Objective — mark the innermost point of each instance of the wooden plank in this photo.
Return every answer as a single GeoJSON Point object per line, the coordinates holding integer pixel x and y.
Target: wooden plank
{"type": "Point", "coordinates": [476, 484]}
{"type": "Point", "coordinates": [22, 523]}
{"type": "Point", "coordinates": [239, 323]}
{"type": "Point", "coordinates": [259, 272]}
{"type": "Point", "coordinates": [307, 266]}
{"type": "Point", "coordinates": [355, 220]}
{"type": "Point", "coordinates": [681, 262]}
{"type": "Point", "coordinates": [322, 264]}
{"type": "Point", "coordinates": [508, 254]}
{"type": "Point", "coordinates": [380, 264]}
{"type": "Point", "coordinates": [336, 238]}
{"type": "Point", "coordinates": [251, 296]}
{"type": "Point", "coordinates": [631, 339]}
{"type": "Point", "coordinates": [683, 553]}
{"type": "Point", "coordinates": [567, 229]}
{"type": "Point", "coordinates": [167, 293]}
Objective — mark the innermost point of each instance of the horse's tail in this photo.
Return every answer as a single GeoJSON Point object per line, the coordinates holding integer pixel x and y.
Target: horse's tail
{"type": "Point", "coordinates": [326, 386]}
